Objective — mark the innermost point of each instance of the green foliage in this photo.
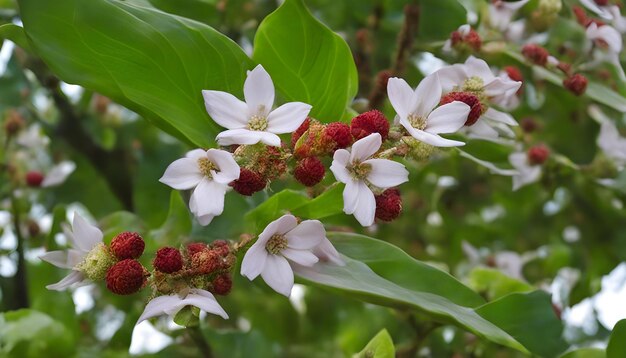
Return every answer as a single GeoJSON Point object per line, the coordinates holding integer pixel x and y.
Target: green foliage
{"type": "Point", "coordinates": [381, 346]}
{"type": "Point", "coordinates": [29, 333]}
{"type": "Point", "coordinates": [617, 342]}
{"type": "Point", "coordinates": [495, 283]}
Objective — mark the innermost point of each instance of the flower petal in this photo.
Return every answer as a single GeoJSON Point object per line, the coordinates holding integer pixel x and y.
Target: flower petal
{"type": "Point", "coordinates": [86, 236]}
{"type": "Point", "coordinates": [246, 136]}
{"type": "Point", "coordinates": [67, 281]}
{"type": "Point", "coordinates": [325, 251]}
{"type": "Point", "coordinates": [279, 226]}
{"type": "Point", "coordinates": [429, 138]}
{"type": "Point", "coordinates": [301, 257]}
{"type": "Point", "coordinates": [451, 77]}
{"type": "Point", "coordinates": [477, 67]}
{"type": "Point", "coordinates": [208, 198]}
{"type": "Point", "coordinates": [225, 109]}
{"type": "Point", "coordinates": [306, 235]}
{"type": "Point", "coordinates": [205, 302]}
{"type": "Point", "coordinates": [58, 174]}
{"type": "Point", "coordinates": [448, 118]}
{"type": "Point", "coordinates": [427, 95]}
{"type": "Point", "coordinates": [338, 166]}
{"type": "Point", "coordinates": [63, 259]}
{"type": "Point", "coordinates": [498, 116]}
{"type": "Point", "coordinates": [278, 274]}
{"type": "Point", "coordinates": [500, 86]}
{"type": "Point", "coordinates": [359, 200]}
{"type": "Point", "coordinates": [365, 147]}
{"type": "Point", "coordinates": [259, 92]}
{"type": "Point", "coordinates": [228, 168]}
{"type": "Point", "coordinates": [205, 220]}
{"type": "Point", "coordinates": [254, 260]}
{"type": "Point", "coordinates": [159, 305]}
{"type": "Point", "coordinates": [196, 154]}
{"type": "Point", "coordinates": [386, 173]}
{"type": "Point", "coordinates": [481, 129]}
{"type": "Point", "coordinates": [182, 174]}
{"type": "Point", "coordinates": [288, 117]}
{"type": "Point", "coordinates": [401, 96]}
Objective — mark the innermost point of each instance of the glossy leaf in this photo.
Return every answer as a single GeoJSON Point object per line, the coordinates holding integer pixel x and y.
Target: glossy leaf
{"type": "Point", "coordinates": [617, 342]}
{"type": "Point", "coordinates": [307, 61]}
{"type": "Point", "coordinates": [585, 353]}
{"type": "Point", "coordinates": [381, 346]}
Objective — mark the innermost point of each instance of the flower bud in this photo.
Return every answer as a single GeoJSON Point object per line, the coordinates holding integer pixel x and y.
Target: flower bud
{"type": "Point", "coordinates": [13, 123]}
{"type": "Point", "coordinates": [577, 84]}
{"type": "Point", "coordinates": [127, 245]}
{"type": "Point", "coordinates": [34, 178]}
{"type": "Point", "coordinates": [536, 54]}
{"type": "Point", "coordinates": [538, 154]}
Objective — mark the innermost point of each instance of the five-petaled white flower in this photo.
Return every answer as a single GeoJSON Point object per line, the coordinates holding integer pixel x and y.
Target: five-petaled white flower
{"type": "Point", "coordinates": [171, 304]}
{"type": "Point", "coordinates": [282, 241]}
{"type": "Point", "coordinates": [527, 173]}
{"type": "Point", "coordinates": [358, 170]}
{"type": "Point", "coordinates": [209, 172]}
{"type": "Point", "coordinates": [253, 121]}
{"type": "Point", "coordinates": [87, 245]}
{"type": "Point", "coordinates": [417, 114]}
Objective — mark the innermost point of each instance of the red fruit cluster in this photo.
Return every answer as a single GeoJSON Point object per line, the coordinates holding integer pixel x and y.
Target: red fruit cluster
{"type": "Point", "coordinates": [126, 277]}
{"type": "Point", "coordinates": [222, 284]}
{"type": "Point", "coordinates": [476, 108]}
{"type": "Point", "coordinates": [577, 84]}
{"type": "Point", "coordinates": [538, 154]}
{"type": "Point", "coordinates": [195, 247]}
{"type": "Point", "coordinates": [535, 54]}
{"type": "Point", "coordinates": [168, 260]}
{"type": "Point", "coordinates": [316, 139]}
{"type": "Point", "coordinates": [212, 258]}
{"type": "Point", "coordinates": [309, 171]}
{"type": "Point", "coordinates": [337, 135]}
{"type": "Point", "coordinates": [249, 182]}
{"type": "Point", "coordinates": [34, 178]}
{"type": "Point", "coordinates": [373, 121]}
{"type": "Point", "coordinates": [471, 40]}
{"type": "Point", "coordinates": [127, 245]}
{"type": "Point", "coordinates": [295, 136]}
{"type": "Point", "coordinates": [388, 205]}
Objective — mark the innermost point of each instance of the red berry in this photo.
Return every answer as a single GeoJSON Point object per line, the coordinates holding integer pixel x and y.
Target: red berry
{"type": "Point", "coordinates": [34, 178]}
{"type": "Point", "coordinates": [339, 134]}
{"type": "Point", "coordinates": [168, 260]}
{"type": "Point", "coordinates": [476, 108]}
{"type": "Point", "coordinates": [249, 182]}
{"type": "Point", "coordinates": [529, 125]}
{"type": "Point", "coordinates": [535, 54]}
{"type": "Point", "coordinates": [309, 171]}
{"type": "Point", "coordinates": [577, 84]}
{"type": "Point", "coordinates": [373, 121]}
{"type": "Point", "coordinates": [221, 247]}
{"type": "Point", "coordinates": [538, 154]}
{"type": "Point", "coordinates": [473, 40]}
{"type": "Point", "coordinates": [300, 131]}
{"type": "Point", "coordinates": [126, 277]}
{"type": "Point", "coordinates": [195, 247]}
{"type": "Point", "coordinates": [388, 205]}
{"type": "Point", "coordinates": [206, 262]}
{"type": "Point", "coordinates": [222, 284]}
{"type": "Point", "coordinates": [127, 245]}
{"type": "Point", "coordinates": [514, 73]}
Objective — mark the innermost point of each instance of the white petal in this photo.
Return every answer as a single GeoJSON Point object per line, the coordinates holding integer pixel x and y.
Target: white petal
{"type": "Point", "coordinates": [306, 235]}
{"type": "Point", "coordinates": [499, 86]}
{"type": "Point", "coordinates": [159, 305]}
{"type": "Point", "coordinates": [259, 92]}
{"type": "Point", "coordinates": [481, 129]}
{"type": "Point", "coordinates": [499, 116]}
{"type": "Point", "coordinates": [67, 281]}
{"type": "Point", "coordinates": [359, 200]}
{"type": "Point", "coordinates": [205, 302]}
{"type": "Point", "coordinates": [401, 96]}
{"type": "Point", "coordinates": [228, 168]}
{"type": "Point", "coordinates": [205, 220]}
{"type": "Point", "coordinates": [288, 117]}
{"type": "Point", "coordinates": [196, 154]}
{"type": "Point", "coordinates": [182, 174]}
{"type": "Point", "coordinates": [528, 176]}
{"type": "Point", "coordinates": [254, 261]}
{"type": "Point", "coordinates": [208, 198]}
{"type": "Point", "coordinates": [246, 136]}
{"type": "Point", "coordinates": [86, 236]}
{"type": "Point", "coordinates": [448, 118]}
{"type": "Point", "coordinates": [64, 259]}
{"type": "Point", "coordinates": [591, 5]}
{"type": "Point", "coordinates": [58, 174]}
{"type": "Point", "coordinates": [327, 252]}
{"type": "Point", "coordinates": [365, 147]}
{"type": "Point", "coordinates": [338, 167]}
{"type": "Point", "coordinates": [612, 37]}
{"type": "Point", "coordinates": [278, 274]}
{"type": "Point", "coordinates": [301, 257]}
{"type": "Point", "coordinates": [429, 138]}
{"type": "Point", "coordinates": [279, 226]}
{"type": "Point", "coordinates": [386, 173]}
{"type": "Point", "coordinates": [477, 67]}
{"type": "Point", "coordinates": [427, 95]}
{"type": "Point", "coordinates": [514, 5]}
{"type": "Point", "coordinates": [519, 160]}
{"type": "Point", "coordinates": [225, 109]}
{"type": "Point", "coordinates": [451, 77]}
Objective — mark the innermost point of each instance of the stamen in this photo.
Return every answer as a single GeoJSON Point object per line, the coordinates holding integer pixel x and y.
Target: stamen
{"type": "Point", "coordinates": [276, 244]}
{"type": "Point", "coordinates": [473, 84]}
{"type": "Point", "coordinates": [257, 123]}
{"type": "Point", "coordinates": [206, 166]}
{"type": "Point", "coordinates": [359, 170]}
{"type": "Point", "coordinates": [417, 122]}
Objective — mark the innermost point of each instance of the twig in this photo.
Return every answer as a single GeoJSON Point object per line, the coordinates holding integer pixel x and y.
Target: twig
{"type": "Point", "coordinates": [21, 288]}
{"type": "Point", "coordinates": [198, 338]}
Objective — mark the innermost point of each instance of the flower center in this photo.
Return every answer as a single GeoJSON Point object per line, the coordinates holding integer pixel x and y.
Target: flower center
{"type": "Point", "coordinates": [276, 244]}
{"type": "Point", "coordinates": [417, 122]}
{"type": "Point", "coordinates": [359, 171]}
{"type": "Point", "coordinates": [96, 263]}
{"type": "Point", "coordinates": [473, 84]}
{"type": "Point", "coordinates": [257, 123]}
{"type": "Point", "coordinates": [206, 166]}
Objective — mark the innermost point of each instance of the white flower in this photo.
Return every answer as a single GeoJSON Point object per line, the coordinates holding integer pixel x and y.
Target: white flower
{"type": "Point", "coordinates": [526, 173]}
{"type": "Point", "coordinates": [416, 114]}
{"type": "Point", "coordinates": [253, 121]}
{"type": "Point", "coordinates": [501, 13]}
{"type": "Point", "coordinates": [86, 242]}
{"type": "Point", "coordinates": [607, 34]}
{"type": "Point", "coordinates": [33, 138]}
{"type": "Point", "coordinates": [58, 174]}
{"type": "Point", "coordinates": [358, 170]}
{"type": "Point", "coordinates": [611, 143]}
{"type": "Point", "coordinates": [282, 241]}
{"type": "Point", "coordinates": [171, 304]}
{"type": "Point", "coordinates": [325, 251]}
{"type": "Point", "coordinates": [209, 172]}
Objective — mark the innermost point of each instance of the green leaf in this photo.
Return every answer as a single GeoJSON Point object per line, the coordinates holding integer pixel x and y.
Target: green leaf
{"type": "Point", "coordinates": [327, 204]}
{"type": "Point", "coordinates": [381, 346]}
{"type": "Point", "coordinates": [397, 266]}
{"type": "Point", "coordinates": [187, 317]}
{"type": "Point", "coordinates": [177, 224]}
{"type": "Point", "coordinates": [16, 34]}
{"type": "Point", "coordinates": [307, 61]}
{"type": "Point", "coordinates": [29, 333]}
{"type": "Point", "coordinates": [495, 283]}
{"type": "Point", "coordinates": [152, 62]}
{"type": "Point", "coordinates": [585, 353]}
{"type": "Point", "coordinates": [530, 319]}
{"type": "Point", "coordinates": [617, 342]}
{"type": "Point", "coordinates": [438, 18]}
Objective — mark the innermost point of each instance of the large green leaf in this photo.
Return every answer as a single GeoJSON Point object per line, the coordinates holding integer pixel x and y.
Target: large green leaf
{"type": "Point", "coordinates": [154, 63]}
{"type": "Point", "coordinates": [307, 61]}
{"type": "Point", "coordinates": [617, 343]}
{"type": "Point", "coordinates": [29, 333]}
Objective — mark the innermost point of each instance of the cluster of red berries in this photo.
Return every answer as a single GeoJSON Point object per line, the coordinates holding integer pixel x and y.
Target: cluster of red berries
{"type": "Point", "coordinates": [471, 40]}
{"type": "Point", "coordinates": [197, 265]}
{"type": "Point", "coordinates": [127, 275]}
{"type": "Point", "coordinates": [260, 164]}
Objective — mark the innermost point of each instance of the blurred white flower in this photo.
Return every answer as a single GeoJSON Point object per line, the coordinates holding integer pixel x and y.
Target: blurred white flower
{"type": "Point", "coordinates": [253, 121]}
{"type": "Point", "coordinates": [209, 173]}
{"type": "Point", "coordinates": [58, 174]}
{"type": "Point", "coordinates": [501, 13]}
{"type": "Point", "coordinates": [611, 143]}
{"type": "Point", "coordinates": [171, 304]}
{"type": "Point", "coordinates": [357, 169]}
{"type": "Point", "coordinates": [526, 172]}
